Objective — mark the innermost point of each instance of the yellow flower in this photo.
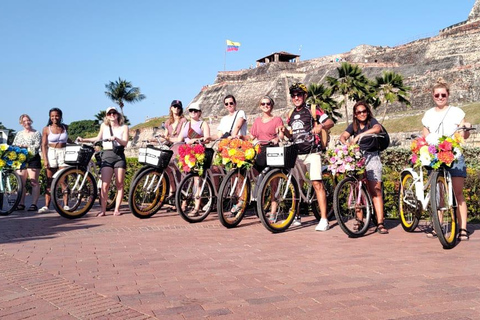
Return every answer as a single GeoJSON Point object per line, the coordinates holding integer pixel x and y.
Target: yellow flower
{"type": "Point", "coordinates": [22, 157]}
{"type": "Point", "coordinates": [3, 147]}
{"type": "Point", "coordinates": [232, 152]}
{"type": "Point", "coordinates": [16, 165]}
{"type": "Point", "coordinates": [190, 160]}
{"type": "Point", "coordinates": [2, 163]}
{"type": "Point", "coordinates": [11, 155]}
{"type": "Point", "coordinates": [200, 157]}
{"type": "Point", "coordinates": [249, 154]}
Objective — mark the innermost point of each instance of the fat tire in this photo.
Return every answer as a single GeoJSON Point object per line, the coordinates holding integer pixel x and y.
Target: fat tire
{"type": "Point", "coordinates": [409, 212]}
{"type": "Point", "coordinates": [226, 200]}
{"type": "Point", "coordinates": [185, 197]}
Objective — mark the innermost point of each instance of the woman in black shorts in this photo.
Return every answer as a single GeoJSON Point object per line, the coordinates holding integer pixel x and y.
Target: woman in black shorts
{"type": "Point", "coordinates": [115, 131]}
{"type": "Point", "coordinates": [31, 139]}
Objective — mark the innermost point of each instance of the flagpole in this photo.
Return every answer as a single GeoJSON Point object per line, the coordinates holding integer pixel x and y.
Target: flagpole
{"type": "Point", "coordinates": [225, 59]}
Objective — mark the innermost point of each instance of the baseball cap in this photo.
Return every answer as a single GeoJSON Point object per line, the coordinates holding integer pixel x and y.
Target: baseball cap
{"type": "Point", "coordinates": [194, 106]}
{"type": "Point", "coordinates": [176, 103]}
{"type": "Point", "coordinates": [110, 109]}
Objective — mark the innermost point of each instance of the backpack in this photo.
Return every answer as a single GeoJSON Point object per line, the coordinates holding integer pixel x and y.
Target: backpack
{"type": "Point", "coordinates": [324, 135]}
{"type": "Point", "coordinates": [384, 142]}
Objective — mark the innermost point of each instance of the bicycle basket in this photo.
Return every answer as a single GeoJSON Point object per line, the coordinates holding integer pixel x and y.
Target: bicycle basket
{"type": "Point", "coordinates": [78, 155]}
{"type": "Point", "coordinates": [283, 157]}
{"type": "Point", "coordinates": [208, 158]}
{"type": "Point", "coordinates": [154, 157]}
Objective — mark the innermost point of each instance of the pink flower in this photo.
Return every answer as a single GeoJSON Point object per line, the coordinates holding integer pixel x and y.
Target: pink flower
{"type": "Point", "coordinates": [445, 146]}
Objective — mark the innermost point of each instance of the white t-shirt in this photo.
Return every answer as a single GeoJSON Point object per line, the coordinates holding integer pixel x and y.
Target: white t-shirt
{"type": "Point", "coordinates": [445, 122]}
{"type": "Point", "coordinates": [226, 123]}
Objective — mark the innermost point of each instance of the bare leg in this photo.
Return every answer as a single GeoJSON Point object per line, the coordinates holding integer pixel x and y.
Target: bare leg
{"type": "Point", "coordinates": [119, 182]}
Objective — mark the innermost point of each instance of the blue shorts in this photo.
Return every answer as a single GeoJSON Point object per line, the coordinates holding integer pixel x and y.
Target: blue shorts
{"type": "Point", "coordinates": [459, 168]}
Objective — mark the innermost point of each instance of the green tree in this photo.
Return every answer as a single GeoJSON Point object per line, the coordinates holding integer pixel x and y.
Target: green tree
{"type": "Point", "coordinates": [351, 83]}
{"type": "Point", "coordinates": [390, 88]}
{"type": "Point", "coordinates": [121, 91]}
{"type": "Point", "coordinates": [321, 96]}
{"type": "Point", "coordinates": [83, 128]}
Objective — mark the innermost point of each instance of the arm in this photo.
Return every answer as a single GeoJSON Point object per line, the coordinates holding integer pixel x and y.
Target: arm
{"type": "Point", "coordinates": [69, 140]}
{"type": "Point", "coordinates": [236, 127]}
{"type": "Point", "coordinates": [465, 134]}
{"type": "Point", "coordinates": [45, 146]}
{"type": "Point", "coordinates": [374, 130]}
{"type": "Point", "coordinates": [97, 138]}
{"type": "Point", "coordinates": [344, 137]}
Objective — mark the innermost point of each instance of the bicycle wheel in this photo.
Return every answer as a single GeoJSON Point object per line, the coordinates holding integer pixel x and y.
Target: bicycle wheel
{"type": "Point", "coordinates": [353, 207]}
{"type": "Point", "coordinates": [408, 205]}
{"type": "Point", "coordinates": [329, 183]}
{"type": "Point", "coordinates": [234, 196]}
{"type": "Point", "coordinates": [11, 189]}
{"type": "Point", "coordinates": [73, 192]}
{"type": "Point", "coordinates": [148, 193]}
{"type": "Point", "coordinates": [277, 201]}
{"type": "Point", "coordinates": [194, 191]}
{"type": "Point", "coordinates": [444, 210]}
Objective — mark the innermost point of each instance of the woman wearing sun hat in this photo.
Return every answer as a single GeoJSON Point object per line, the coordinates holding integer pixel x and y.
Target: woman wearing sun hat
{"type": "Point", "coordinates": [115, 131]}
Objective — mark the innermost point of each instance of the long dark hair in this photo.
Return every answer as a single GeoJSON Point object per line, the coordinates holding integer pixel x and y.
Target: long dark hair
{"type": "Point", "coordinates": [356, 122]}
{"type": "Point", "coordinates": [59, 112]}
{"type": "Point", "coordinates": [171, 119]}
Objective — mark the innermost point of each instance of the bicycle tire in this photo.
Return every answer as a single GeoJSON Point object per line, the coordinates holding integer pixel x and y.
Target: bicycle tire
{"type": "Point", "coordinates": [185, 197]}
{"type": "Point", "coordinates": [444, 216]}
{"type": "Point", "coordinates": [228, 198]}
{"type": "Point", "coordinates": [148, 192]}
{"type": "Point", "coordinates": [286, 209]}
{"type": "Point", "coordinates": [346, 208]}
{"type": "Point", "coordinates": [409, 206]}
{"type": "Point", "coordinates": [12, 192]}
{"type": "Point", "coordinates": [69, 198]}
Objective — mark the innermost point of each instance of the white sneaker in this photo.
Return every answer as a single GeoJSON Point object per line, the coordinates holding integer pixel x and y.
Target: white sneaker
{"type": "Point", "coordinates": [322, 225]}
{"type": "Point", "coordinates": [43, 210]}
{"type": "Point", "coordinates": [207, 206]}
{"type": "Point", "coordinates": [297, 222]}
{"type": "Point", "coordinates": [66, 208]}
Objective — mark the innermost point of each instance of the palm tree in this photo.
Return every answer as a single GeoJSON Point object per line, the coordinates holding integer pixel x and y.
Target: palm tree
{"type": "Point", "coordinates": [351, 83]}
{"type": "Point", "coordinates": [322, 97]}
{"type": "Point", "coordinates": [122, 90]}
{"type": "Point", "coordinates": [390, 88]}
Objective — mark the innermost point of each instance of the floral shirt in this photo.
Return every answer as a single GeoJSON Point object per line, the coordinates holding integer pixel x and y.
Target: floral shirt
{"type": "Point", "coordinates": [31, 140]}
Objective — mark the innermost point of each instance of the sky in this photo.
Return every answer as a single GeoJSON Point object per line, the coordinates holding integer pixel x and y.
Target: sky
{"type": "Point", "coordinates": [61, 53]}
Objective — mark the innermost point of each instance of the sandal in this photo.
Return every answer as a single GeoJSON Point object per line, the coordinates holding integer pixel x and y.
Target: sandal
{"type": "Point", "coordinates": [463, 235]}
{"type": "Point", "coordinates": [357, 225]}
{"type": "Point", "coordinates": [20, 207]}
{"type": "Point", "coordinates": [237, 207]}
{"type": "Point", "coordinates": [381, 229]}
{"type": "Point", "coordinates": [194, 213]}
{"type": "Point", "coordinates": [33, 207]}
{"type": "Point", "coordinates": [432, 234]}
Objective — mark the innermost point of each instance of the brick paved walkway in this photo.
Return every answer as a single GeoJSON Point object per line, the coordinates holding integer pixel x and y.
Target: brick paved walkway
{"type": "Point", "coordinates": [127, 268]}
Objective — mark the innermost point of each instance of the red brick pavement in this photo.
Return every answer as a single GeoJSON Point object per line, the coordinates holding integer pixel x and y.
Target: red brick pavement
{"type": "Point", "coordinates": [126, 268]}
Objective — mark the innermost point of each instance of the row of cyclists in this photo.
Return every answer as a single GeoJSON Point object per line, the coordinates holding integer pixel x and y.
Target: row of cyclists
{"type": "Point", "coordinates": [442, 119]}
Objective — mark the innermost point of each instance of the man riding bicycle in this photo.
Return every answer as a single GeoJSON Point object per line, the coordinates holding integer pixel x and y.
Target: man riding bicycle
{"type": "Point", "coordinates": [301, 120]}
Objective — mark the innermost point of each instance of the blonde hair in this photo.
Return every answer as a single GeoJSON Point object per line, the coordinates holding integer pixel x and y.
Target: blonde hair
{"type": "Point", "coordinates": [441, 84]}
{"type": "Point", "coordinates": [120, 117]}
{"type": "Point", "coordinates": [20, 120]}
{"type": "Point", "coordinates": [269, 98]}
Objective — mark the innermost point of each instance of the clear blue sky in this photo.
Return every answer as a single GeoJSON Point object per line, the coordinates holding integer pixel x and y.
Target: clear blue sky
{"type": "Point", "coordinates": [61, 53]}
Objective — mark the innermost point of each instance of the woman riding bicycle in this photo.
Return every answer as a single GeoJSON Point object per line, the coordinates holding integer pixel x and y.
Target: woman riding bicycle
{"type": "Point", "coordinates": [195, 131]}
{"type": "Point", "coordinates": [444, 120]}
{"type": "Point", "coordinates": [363, 124]}
{"type": "Point", "coordinates": [115, 130]}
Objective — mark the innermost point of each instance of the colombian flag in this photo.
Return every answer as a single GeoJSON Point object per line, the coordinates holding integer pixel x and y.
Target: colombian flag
{"type": "Point", "coordinates": [232, 46]}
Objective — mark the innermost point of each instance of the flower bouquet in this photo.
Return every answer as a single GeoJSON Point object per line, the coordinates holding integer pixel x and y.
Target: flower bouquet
{"type": "Point", "coordinates": [436, 150]}
{"type": "Point", "coordinates": [346, 159]}
{"type": "Point", "coordinates": [13, 157]}
{"type": "Point", "coordinates": [236, 153]}
{"type": "Point", "coordinates": [192, 158]}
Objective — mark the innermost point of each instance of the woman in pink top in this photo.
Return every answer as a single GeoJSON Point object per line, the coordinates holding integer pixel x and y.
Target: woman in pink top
{"type": "Point", "coordinates": [265, 129]}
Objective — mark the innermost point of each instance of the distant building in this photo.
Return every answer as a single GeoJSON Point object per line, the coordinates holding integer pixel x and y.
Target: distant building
{"type": "Point", "coordinates": [281, 56]}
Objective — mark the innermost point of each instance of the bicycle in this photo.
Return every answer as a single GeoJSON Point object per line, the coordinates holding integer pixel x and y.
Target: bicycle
{"type": "Point", "coordinates": [413, 201]}
{"type": "Point", "coordinates": [151, 184]}
{"type": "Point", "coordinates": [11, 191]}
{"type": "Point", "coordinates": [353, 204]}
{"type": "Point", "coordinates": [74, 188]}
{"type": "Point", "coordinates": [196, 188]}
{"type": "Point", "coordinates": [280, 194]}
{"type": "Point", "coordinates": [236, 193]}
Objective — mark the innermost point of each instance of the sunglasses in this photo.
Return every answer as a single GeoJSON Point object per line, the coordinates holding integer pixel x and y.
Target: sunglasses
{"type": "Point", "coordinates": [229, 104]}
{"type": "Point", "coordinates": [360, 112]}
{"type": "Point", "coordinates": [111, 113]}
{"type": "Point", "coordinates": [266, 103]}
{"type": "Point", "coordinates": [293, 95]}
{"type": "Point", "coordinates": [177, 106]}
{"type": "Point", "coordinates": [193, 110]}
{"type": "Point", "coordinates": [437, 95]}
